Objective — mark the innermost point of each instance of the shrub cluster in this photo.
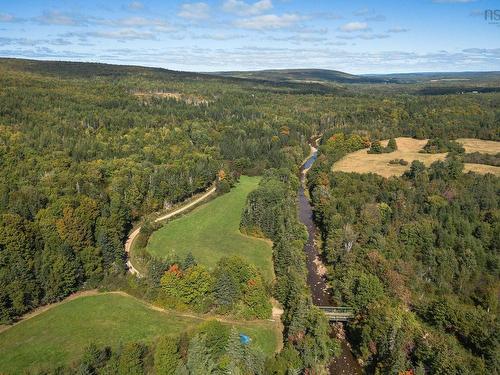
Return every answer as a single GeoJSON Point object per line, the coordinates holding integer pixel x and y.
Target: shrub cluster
{"type": "Point", "coordinates": [233, 286]}
{"type": "Point", "coordinates": [440, 145]}
{"type": "Point", "coordinates": [376, 147]}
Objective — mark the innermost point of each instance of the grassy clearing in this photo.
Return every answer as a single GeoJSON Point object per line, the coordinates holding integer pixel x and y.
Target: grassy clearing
{"type": "Point", "coordinates": [211, 231]}
{"type": "Point", "coordinates": [478, 145]}
{"type": "Point", "coordinates": [481, 168]}
{"type": "Point", "coordinates": [408, 149]}
{"type": "Point", "coordinates": [59, 335]}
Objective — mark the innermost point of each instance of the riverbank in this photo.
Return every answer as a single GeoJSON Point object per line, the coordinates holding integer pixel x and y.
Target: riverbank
{"type": "Point", "coordinates": [345, 363]}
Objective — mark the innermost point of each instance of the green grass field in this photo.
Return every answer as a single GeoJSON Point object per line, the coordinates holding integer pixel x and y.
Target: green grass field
{"type": "Point", "coordinates": [59, 335]}
{"type": "Point", "coordinates": [211, 231]}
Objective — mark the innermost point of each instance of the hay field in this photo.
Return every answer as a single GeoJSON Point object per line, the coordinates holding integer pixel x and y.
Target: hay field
{"type": "Point", "coordinates": [212, 231]}
{"type": "Point", "coordinates": [478, 145]}
{"type": "Point", "coordinates": [408, 149]}
{"type": "Point", "coordinates": [58, 336]}
{"type": "Point", "coordinates": [481, 168]}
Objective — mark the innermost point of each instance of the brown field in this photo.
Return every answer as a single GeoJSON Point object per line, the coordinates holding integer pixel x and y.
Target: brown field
{"type": "Point", "coordinates": [481, 168]}
{"type": "Point", "coordinates": [188, 99]}
{"type": "Point", "coordinates": [408, 149]}
{"type": "Point", "coordinates": [478, 145]}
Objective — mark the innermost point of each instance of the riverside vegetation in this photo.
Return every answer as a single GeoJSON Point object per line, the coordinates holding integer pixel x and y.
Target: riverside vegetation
{"type": "Point", "coordinates": [416, 256]}
{"type": "Point", "coordinates": [86, 150]}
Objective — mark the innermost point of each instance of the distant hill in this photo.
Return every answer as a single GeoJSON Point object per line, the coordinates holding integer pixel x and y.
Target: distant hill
{"type": "Point", "coordinates": [322, 76]}
{"type": "Point", "coordinates": [69, 69]}
{"type": "Point", "coordinates": [436, 77]}
{"type": "Point", "coordinates": [90, 69]}
{"type": "Point", "coordinates": [276, 80]}
{"type": "Point", "coordinates": [301, 75]}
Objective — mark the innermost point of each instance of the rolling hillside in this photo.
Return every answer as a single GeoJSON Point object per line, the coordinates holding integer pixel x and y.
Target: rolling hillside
{"type": "Point", "coordinates": [301, 75]}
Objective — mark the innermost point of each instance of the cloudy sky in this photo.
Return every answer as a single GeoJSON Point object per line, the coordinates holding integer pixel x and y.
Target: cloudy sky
{"type": "Point", "coordinates": [213, 35]}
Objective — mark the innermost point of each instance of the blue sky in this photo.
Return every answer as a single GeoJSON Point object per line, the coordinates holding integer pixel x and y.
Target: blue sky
{"type": "Point", "coordinates": [354, 36]}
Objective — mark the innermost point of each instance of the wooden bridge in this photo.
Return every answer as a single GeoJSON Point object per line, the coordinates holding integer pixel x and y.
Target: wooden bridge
{"type": "Point", "coordinates": [337, 314]}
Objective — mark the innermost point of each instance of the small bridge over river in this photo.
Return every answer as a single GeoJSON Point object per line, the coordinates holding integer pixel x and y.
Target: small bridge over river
{"type": "Point", "coordinates": [337, 314]}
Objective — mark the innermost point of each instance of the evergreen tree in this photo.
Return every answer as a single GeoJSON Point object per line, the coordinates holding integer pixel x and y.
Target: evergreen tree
{"type": "Point", "coordinates": [166, 357]}
{"type": "Point", "coordinates": [391, 145]}
{"type": "Point", "coordinates": [189, 261]}
{"type": "Point", "coordinates": [59, 271]}
{"type": "Point", "coordinates": [235, 349]}
{"type": "Point", "coordinates": [226, 290]}
{"type": "Point", "coordinates": [131, 360]}
{"type": "Point", "coordinates": [199, 361]}
{"type": "Point", "coordinates": [92, 360]}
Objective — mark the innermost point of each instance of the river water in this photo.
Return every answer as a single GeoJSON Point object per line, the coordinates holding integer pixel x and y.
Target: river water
{"type": "Point", "coordinates": [321, 294]}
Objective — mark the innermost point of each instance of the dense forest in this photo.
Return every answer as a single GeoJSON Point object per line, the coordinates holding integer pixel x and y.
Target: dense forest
{"type": "Point", "coordinates": [417, 258]}
{"type": "Point", "coordinates": [87, 150]}
{"type": "Point", "coordinates": [82, 158]}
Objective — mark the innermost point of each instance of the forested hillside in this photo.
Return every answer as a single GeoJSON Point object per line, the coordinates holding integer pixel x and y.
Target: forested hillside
{"type": "Point", "coordinates": [83, 157]}
{"type": "Point", "coordinates": [87, 150]}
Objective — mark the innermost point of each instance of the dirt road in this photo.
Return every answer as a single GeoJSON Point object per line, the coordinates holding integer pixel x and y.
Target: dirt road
{"type": "Point", "coordinates": [136, 231]}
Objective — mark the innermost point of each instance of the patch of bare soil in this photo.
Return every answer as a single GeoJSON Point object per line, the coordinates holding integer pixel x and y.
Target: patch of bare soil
{"type": "Point", "coordinates": [188, 99]}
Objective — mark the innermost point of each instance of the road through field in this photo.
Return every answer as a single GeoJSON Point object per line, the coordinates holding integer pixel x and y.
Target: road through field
{"type": "Point", "coordinates": [136, 231]}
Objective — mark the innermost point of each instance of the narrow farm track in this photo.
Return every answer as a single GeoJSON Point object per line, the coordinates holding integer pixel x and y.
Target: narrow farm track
{"type": "Point", "coordinates": [132, 236]}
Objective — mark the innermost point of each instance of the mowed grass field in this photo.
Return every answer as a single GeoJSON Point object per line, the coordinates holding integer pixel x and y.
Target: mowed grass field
{"type": "Point", "coordinates": [211, 231]}
{"type": "Point", "coordinates": [408, 149]}
{"type": "Point", "coordinates": [59, 335]}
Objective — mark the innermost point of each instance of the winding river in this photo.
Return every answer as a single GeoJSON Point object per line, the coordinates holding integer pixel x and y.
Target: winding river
{"type": "Point", "coordinates": [316, 279]}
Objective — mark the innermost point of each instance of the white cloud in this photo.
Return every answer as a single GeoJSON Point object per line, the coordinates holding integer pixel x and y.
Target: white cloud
{"type": "Point", "coordinates": [376, 18]}
{"type": "Point", "coordinates": [134, 22]}
{"type": "Point", "coordinates": [332, 16]}
{"type": "Point", "coordinates": [217, 36]}
{"type": "Point", "coordinates": [362, 12]}
{"type": "Point", "coordinates": [194, 11]}
{"type": "Point", "coordinates": [57, 18]}
{"type": "Point", "coordinates": [364, 36]}
{"type": "Point", "coordinates": [309, 30]}
{"type": "Point", "coordinates": [165, 28]}
{"type": "Point", "coordinates": [136, 5]}
{"type": "Point", "coordinates": [298, 38]}
{"type": "Point", "coordinates": [491, 52]}
{"type": "Point", "coordinates": [4, 17]}
{"type": "Point", "coordinates": [268, 21]}
{"type": "Point", "coordinates": [126, 34]}
{"type": "Point", "coordinates": [398, 30]}
{"type": "Point", "coordinates": [373, 36]}
{"type": "Point", "coordinates": [241, 8]}
{"type": "Point", "coordinates": [354, 26]}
